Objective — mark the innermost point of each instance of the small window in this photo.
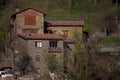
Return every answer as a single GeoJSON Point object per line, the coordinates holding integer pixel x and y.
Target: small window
{"type": "Point", "coordinates": [53, 44]}
{"type": "Point", "coordinates": [65, 33]}
{"type": "Point", "coordinates": [38, 44]}
{"type": "Point", "coordinates": [37, 58]}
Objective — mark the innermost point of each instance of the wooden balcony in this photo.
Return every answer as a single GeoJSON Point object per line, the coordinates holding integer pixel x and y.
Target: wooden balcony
{"type": "Point", "coordinates": [55, 49]}
{"type": "Point", "coordinates": [29, 27]}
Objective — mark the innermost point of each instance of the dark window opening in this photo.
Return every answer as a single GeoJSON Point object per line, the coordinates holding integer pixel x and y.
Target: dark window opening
{"type": "Point", "coordinates": [37, 58]}
{"type": "Point", "coordinates": [53, 44]}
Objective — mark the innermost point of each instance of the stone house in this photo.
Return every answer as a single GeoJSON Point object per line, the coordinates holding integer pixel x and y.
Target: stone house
{"type": "Point", "coordinates": [36, 37]}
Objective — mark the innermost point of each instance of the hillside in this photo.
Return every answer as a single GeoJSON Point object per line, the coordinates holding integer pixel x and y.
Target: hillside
{"type": "Point", "coordinates": [65, 10]}
{"type": "Point", "coordinates": [93, 12]}
{"type": "Point", "coordinates": [99, 16]}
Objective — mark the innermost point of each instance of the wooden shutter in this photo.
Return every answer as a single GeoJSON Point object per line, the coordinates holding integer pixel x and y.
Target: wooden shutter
{"type": "Point", "coordinates": [30, 20]}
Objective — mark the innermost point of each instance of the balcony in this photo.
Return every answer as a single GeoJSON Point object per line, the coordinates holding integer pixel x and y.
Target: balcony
{"type": "Point", "coordinates": [29, 27]}
{"type": "Point", "coordinates": [55, 50]}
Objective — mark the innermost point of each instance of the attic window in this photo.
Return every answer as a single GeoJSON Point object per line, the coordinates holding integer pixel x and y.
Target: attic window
{"type": "Point", "coordinates": [29, 20]}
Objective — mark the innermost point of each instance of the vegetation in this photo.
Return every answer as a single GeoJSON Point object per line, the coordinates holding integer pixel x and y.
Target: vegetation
{"type": "Point", "coordinates": [80, 67]}
{"type": "Point", "coordinates": [86, 28]}
{"type": "Point", "coordinates": [25, 64]}
{"type": "Point", "coordinates": [99, 13]}
{"type": "Point", "coordinates": [110, 40]}
{"type": "Point", "coordinates": [51, 61]}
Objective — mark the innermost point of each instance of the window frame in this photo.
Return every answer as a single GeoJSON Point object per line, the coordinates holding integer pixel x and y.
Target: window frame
{"type": "Point", "coordinates": [53, 44]}
{"type": "Point", "coordinates": [38, 44]}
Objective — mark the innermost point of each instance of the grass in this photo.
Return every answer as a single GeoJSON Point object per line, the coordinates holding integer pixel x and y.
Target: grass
{"type": "Point", "coordinates": [61, 14]}
{"type": "Point", "coordinates": [108, 40]}
{"type": "Point", "coordinates": [58, 10]}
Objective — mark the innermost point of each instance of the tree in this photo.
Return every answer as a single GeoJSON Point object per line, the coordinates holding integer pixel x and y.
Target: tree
{"type": "Point", "coordinates": [109, 23]}
{"type": "Point", "coordinates": [2, 2]}
{"type": "Point", "coordinates": [51, 61]}
{"type": "Point", "coordinates": [25, 64]}
{"type": "Point", "coordinates": [81, 66]}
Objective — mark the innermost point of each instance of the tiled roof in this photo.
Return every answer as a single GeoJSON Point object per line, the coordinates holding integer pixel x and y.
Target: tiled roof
{"type": "Point", "coordinates": [40, 36]}
{"type": "Point", "coordinates": [67, 23]}
{"type": "Point", "coordinates": [14, 15]}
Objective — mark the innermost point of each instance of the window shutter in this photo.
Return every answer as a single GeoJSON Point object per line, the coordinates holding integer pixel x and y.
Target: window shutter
{"type": "Point", "coordinates": [30, 20]}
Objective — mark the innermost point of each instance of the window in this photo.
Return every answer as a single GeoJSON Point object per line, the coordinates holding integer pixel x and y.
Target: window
{"type": "Point", "coordinates": [65, 33]}
{"type": "Point", "coordinates": [30, 20]}
{"type": "Point", "coordinates": [37, 58]}
{"type": "Point", "coordinates": [53, 44]}
{"type": "Point", "coordinates": [38, 44]}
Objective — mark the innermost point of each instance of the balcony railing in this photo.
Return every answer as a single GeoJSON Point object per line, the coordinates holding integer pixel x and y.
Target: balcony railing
{"type": "Point", "coordinates": [29, 27]}
{"type": "Point", "coordinates": [55, 50]}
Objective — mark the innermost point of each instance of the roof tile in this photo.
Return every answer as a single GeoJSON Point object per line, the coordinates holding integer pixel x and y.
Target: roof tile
{"type": "Point", "coordinates": [40, 36]}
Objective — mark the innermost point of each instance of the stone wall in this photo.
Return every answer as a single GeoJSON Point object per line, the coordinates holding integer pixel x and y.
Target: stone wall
{"type": "Point", "coordinates": [71, 30]}
{"type": "Point", "coordinates": [69, 54]}
{"type": "Point", "coordinates": [41, 51]}
{"type": "Point", "coordinates": [19, 21]}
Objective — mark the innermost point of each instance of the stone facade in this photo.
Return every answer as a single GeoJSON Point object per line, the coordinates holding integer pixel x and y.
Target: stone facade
{"type": "Point", "coordinates": [20, 23]}
{"type": "Point", "coordinates": [29, 26]}
{"type": "Point", "coordinates": [39, 52]}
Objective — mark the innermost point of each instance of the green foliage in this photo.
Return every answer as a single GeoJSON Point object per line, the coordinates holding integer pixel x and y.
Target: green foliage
{"type": "Point", "coordinates": [86, 28]}
{"type": "Point", "coordinates": [25, 64]}
{"type": "Point", "coordinates": [116, 73]}
{"type": "Point", "coordinates": [2, 35]}
{"type": "Point", "coordinates": [81, 67]}
{"type": "Point", "coordinates": [2, 3]}
{"type": "Point", "coordinates": [116, 70]}
{"type": "Point", "coordinates": [51, 61]}
{"type": "Point", "coordinates": [110, 40]}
